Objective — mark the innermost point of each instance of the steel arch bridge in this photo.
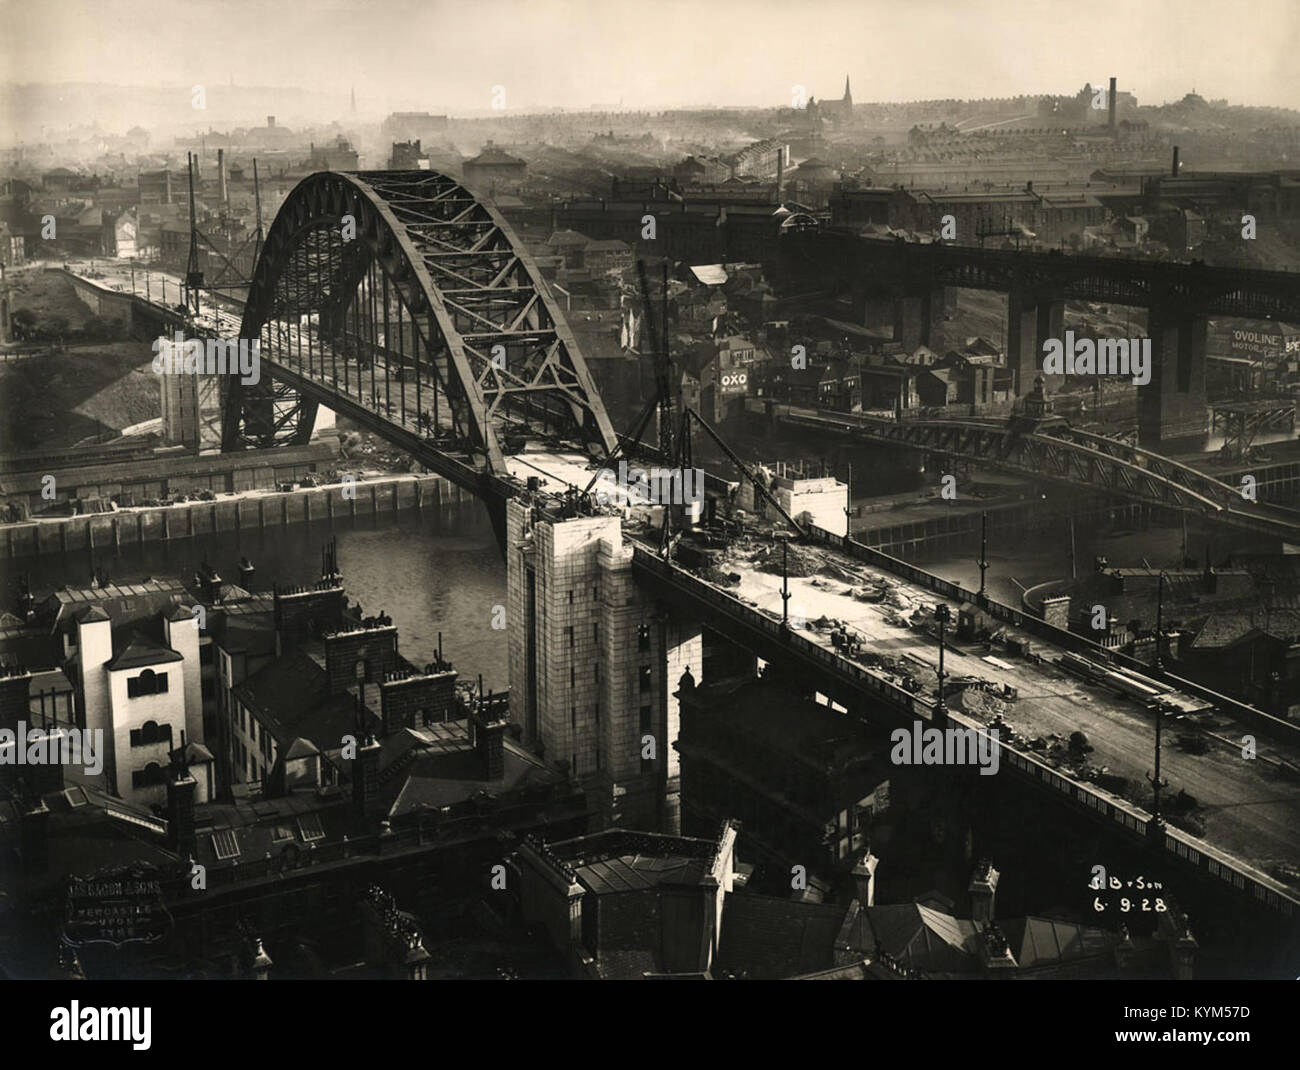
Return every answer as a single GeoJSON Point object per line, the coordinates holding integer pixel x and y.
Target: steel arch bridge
{"type": "Point", "coordinates": [400, 299]}
{"type": "Point", "coordinates": [1065, 455]}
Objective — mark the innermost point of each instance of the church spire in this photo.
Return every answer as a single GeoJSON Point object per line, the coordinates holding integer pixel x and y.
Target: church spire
{"type": "Point", "coordinates": [848, 97]}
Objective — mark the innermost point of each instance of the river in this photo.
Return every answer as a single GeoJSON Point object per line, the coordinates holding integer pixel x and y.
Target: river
{"type": "Point", "coordinates": [430, 570]}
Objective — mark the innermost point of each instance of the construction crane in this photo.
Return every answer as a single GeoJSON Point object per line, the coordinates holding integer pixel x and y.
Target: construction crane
{"type": "Point", "coordinates": [674, 439]}
{"type": "Point", "coordinates": [662, 401]}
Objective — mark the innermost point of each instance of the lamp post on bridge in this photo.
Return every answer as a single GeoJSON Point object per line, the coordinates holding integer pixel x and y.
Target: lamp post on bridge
{"type": "Point", "coordinates": [942, 615]}
{"type": "Point", "coordinates": [984, 555]}
{"type": "Point", "coordinates": [785, 581]}
{"type": "Point", "coordinates": [848, 507]}
{"type": "Point", "coordinates": [1160, 618]}
{"type": "Point", "coordinates": [1157, 822]}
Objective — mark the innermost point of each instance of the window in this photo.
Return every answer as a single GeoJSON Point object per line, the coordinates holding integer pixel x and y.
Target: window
{"type": "Point", "coordinates": [645, 677]}
{"type": "Point", "coordinates": [645, 719]}
{"type": "Point", "coordinates": [310, 827]}
{"type": "Point", "coordinates": [151, 732]}
{"type": "Point", "coordinates": [568, 634]}
{"type": "Point", "coordinates": [225, 845]}
{"type": "Point", "coordinates": [643, 637]}
{"type": "Point", "coordinates": [149, 776]}
{"type": "Point", "coordinates": [570, 598]}
{"type": "Point", "coordinates": [147, 683]}
{"type": "Point", "coordinates": [595, 632]}
{"type": "Point", "coordinates": [572, 676]}
{"type": "Point", "coordinates": [573, 716]}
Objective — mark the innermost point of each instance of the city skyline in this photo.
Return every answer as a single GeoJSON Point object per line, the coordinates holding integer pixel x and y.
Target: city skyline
{"type": "Point", "coordinates": [615, 63]}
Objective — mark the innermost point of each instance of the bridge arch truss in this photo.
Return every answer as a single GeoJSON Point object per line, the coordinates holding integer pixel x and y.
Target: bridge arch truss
{"type": "Point", "coordinates": [403, 299]}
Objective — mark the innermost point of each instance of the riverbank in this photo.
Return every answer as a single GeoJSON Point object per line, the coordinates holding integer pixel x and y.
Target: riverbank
{"type": "Point", "coordinates": [228, 513]}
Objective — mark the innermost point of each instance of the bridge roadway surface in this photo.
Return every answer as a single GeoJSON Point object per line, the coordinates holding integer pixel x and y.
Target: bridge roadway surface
{"type": "Point", "coordinates": [1250, 811]}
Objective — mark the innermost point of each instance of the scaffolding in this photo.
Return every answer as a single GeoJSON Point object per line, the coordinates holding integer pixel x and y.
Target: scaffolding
{"type": "Point", "coordinates": [1240, 421]}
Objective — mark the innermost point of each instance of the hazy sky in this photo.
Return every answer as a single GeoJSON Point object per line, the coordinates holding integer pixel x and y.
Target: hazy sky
{"type": "Point", "coordinates": [615, 53]}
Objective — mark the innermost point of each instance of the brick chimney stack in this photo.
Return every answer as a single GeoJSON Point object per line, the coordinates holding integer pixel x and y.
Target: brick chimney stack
{"type": "Point", "coordinates": [488, 729]}
{"type": "Point", "coordinates": [180, 805]}
{"type": "Point", "coordinates": [365, 778]}
{"type": "Point", "coordinates": [209, 583]}
{"type": "Point", "coordinates": [1110, 100]}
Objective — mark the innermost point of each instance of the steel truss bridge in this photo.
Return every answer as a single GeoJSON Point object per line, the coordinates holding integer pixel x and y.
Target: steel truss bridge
{"type": "Point", "coordinates": [1061, 454]}
{"type": "Point", "coordinates": [404, 302]}
{"type": "Point", "coordinates": [912, 266]}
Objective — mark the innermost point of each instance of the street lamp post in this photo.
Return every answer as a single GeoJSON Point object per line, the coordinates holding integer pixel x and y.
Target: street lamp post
{"type": "Point", "coordinates": [1154, 778]}
{"type": "Point", "coordinates": [1160, 619]}
{"type": "Point", "coordinates": [785, 582]}
{"type": "Point", "coordinates": [942, 615]}
{"type": "Point", "coordinates": [848, 506]}
{"type": "Point", "coordinates": [984, 554]}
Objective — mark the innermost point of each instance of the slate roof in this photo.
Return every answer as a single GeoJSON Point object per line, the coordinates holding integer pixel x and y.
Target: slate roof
{"type": "Point", "coordinates": [121, 602]}
{"type": "Point", "coordinates": [134, 650]}
{"type": "Point", "coordinates": [290, 698]}
{"type": "Point", "coordinates": [437, 765]}
{"type": "Point", "coordinates": [1040, 941]}
{"type": "Point", "coordinates": [88, 831]}
{"type": "Point", "coordinates": [924, 938]}
{"type": "Point", "coordinates": [770, 938]}
{"type": "Point", "coordinates": [252, 634]}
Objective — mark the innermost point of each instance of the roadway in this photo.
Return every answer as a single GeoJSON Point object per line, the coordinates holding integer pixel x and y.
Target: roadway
{"type": "Point", "coordinates": [1250, 810]}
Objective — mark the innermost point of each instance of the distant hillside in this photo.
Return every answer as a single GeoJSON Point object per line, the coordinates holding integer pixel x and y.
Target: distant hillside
{"type": "Point", "coordinates": [35, 112]}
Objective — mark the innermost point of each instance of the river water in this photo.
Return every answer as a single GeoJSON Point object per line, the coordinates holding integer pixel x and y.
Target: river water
{"type": "Point", "coordinates": [430, 570]}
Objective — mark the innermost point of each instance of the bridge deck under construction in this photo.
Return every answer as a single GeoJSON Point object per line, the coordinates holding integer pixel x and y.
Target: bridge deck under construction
{"type": "Point", "coordinates": [1250, 809]}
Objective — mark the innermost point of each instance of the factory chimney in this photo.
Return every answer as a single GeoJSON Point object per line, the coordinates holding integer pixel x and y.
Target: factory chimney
{"type": "Point", "coordinates": [1174, 171]}
{"type": "Point", "coordinates": [1111, 101]}
{"type": "Point", "coordinates": [780, 173]}
{"type": "Point", "coordinates": [222, 197]}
